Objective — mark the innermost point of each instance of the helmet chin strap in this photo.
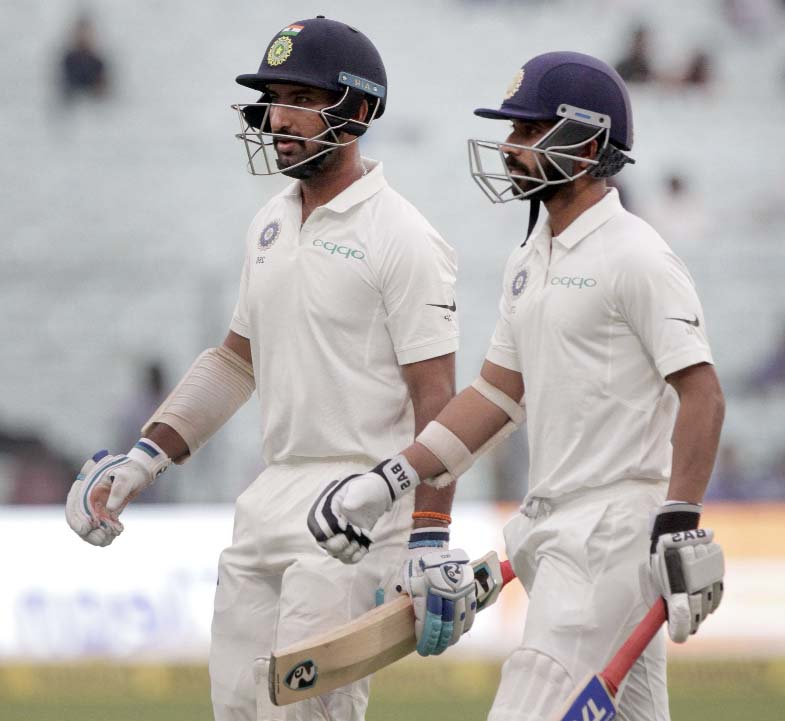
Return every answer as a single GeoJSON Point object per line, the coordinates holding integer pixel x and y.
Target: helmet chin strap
{"type": "Point", "coordinates": [534, 214]}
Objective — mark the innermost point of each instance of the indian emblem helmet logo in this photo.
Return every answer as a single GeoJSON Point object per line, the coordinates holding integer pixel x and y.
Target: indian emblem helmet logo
{"type": "Point", "coordinates": [279, 51]}
{"type": "Point", "coordinates": [515, 85]}
{"type": "Point", "coordinates": [269, 235]}
{"type": "Point", "coordinates": [519, 282]}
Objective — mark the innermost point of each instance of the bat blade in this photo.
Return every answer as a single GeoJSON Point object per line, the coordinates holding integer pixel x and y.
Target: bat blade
{"type": "Point", "coordinates": [376, 639]}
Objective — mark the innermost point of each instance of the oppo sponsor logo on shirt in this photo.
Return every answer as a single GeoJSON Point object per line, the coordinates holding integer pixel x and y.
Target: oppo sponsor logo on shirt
{"type": "Point", "coordinates": [334, 248]}
{"type": "Point", "coordinates": [574, 281]}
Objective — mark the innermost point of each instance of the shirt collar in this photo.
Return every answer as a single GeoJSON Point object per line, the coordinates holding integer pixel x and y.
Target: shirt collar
{"type": "Point", "coordinates": [591, 219]}
{"type": "Point", "coordinates": [361, 189]}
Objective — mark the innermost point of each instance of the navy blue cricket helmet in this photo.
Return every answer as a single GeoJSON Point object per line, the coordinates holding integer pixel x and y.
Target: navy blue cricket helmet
{"type": "Point", "coordinates": [587, 101]}
{"type": "Point", "coordinates": [327, 54]}
{"type": "Point", "coordinates": [551, 80]}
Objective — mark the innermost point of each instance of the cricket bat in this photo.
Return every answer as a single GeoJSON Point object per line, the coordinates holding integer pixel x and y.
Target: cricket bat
{"type": "Point", "coordinates": [376, 639]}
{"type": "Point", "coordinates": [594, 699]}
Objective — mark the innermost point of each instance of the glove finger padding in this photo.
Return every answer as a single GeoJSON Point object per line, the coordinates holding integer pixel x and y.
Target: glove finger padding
{"type": "Point", "coordinates": [85, 506]}
{"type": "Point", "coordinates": [687, 569]}
{"type": "Point", "coordinates": [104, 487]}
{"type": "Point", "coordinates": [332, 530]}
{"type": "Point", "coordinates": [444, 596]}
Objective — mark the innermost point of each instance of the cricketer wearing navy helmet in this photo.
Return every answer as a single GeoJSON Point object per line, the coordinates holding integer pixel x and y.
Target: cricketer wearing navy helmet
{"type": "Point", "coordinates": [600, 324]}
{"type": "Point", "coordinates": [340, 330]}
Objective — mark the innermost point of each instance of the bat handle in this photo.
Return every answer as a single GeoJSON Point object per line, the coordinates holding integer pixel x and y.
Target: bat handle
{"type": "Point", "coordinates": [507, 573]}
{"type": "Point", "coordinates": [618, 667]}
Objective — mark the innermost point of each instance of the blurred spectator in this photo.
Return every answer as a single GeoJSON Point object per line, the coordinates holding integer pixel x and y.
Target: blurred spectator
{"type": "Point", "coordinates": [33, 471]}
{"type": "Point", "coordinates": [728, 482]}
{"type": "Point", "coordinates": [83, 70]}
{"type": "Point", "coordinates": [771, 373]}
{"type": "Point", "coordinates": [150, 392]}
{"type": "Point", "coordinates": [679, 214]}
{"type": "Point", "coordinates": [750, 17]}
{"type": "Point", "coordinates": [636, 66]}
{"type": "Point", "coordinates": [699, 71]}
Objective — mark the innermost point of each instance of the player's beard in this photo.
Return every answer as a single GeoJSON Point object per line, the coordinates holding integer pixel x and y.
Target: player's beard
{"type": "Point", "coordinates": [303, 170]}
{"type": "Point", "coordinates": [543, 194]}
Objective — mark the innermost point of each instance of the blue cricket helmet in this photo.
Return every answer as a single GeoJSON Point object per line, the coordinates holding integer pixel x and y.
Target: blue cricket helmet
{"type": "Point", "coordinates": [327, 54]}
{"type": "Point", "coordinates": [552, 80]}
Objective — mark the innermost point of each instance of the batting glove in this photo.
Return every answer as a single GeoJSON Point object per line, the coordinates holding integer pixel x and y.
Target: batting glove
{"type": "Point", "coordinates": [686, 568]}
{"type": "Point", "coordinates": [346, 511]}
{"type": "Point", "coordinates": [442, 588]}
{"type": "Point", "coordinates": [105, 486]}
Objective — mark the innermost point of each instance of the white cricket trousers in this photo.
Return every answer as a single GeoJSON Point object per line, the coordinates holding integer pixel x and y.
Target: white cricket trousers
{"type": "Point", "coordinates": [276, 587]}
{"type": "Point", "coordinates": [578, 557]}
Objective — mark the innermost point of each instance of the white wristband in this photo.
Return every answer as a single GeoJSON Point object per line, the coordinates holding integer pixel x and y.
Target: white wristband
{"type": "Point", "coordinates": [151, 456]}
{"type": "Point", "coordinates": [399, 475]}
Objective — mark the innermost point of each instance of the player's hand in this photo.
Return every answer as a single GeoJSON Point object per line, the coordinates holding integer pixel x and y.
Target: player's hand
{"type": "Point", "coordinates": [686, 568]}
{"type": "Point", "coordinates": [105, 486]}
{"type": "Point", "coordinates": [444, 597]}
{"type": "Point", "coordinates": [346, 511]}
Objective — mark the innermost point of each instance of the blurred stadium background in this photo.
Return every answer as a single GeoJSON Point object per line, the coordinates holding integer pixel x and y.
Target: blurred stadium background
{"type": "Point", "coordinates": [124, 206]}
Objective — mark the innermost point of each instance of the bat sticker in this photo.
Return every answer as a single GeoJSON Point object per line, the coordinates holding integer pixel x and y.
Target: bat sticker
{"type": "Point", "coordinates": [302, 676]}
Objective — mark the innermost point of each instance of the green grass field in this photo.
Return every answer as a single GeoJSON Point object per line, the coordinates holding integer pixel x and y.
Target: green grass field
{"type": "Point", "coordinates": [409, 691]}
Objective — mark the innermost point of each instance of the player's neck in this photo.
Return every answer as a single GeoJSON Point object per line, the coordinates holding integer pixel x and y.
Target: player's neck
{"type": "Point", "coordinates": [333, 179]}
{"type": "Point", "coordinates": [572, 201]}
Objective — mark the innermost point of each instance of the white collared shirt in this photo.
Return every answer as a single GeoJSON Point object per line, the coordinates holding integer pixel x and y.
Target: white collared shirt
{"type": "Point", "coordinates": [595, 319]}
{"type": "Point", "coordinates": [333, 309]}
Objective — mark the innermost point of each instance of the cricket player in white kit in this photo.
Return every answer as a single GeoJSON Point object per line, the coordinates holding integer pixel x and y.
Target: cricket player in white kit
{"type": "Point", "coordinates": [346, 327]}
{"type": "Point", "coordinates": [601, 324]}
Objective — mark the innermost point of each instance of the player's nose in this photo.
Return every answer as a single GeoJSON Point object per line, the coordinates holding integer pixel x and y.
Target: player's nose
{"type": "Point", "coordinates": [280, 119]}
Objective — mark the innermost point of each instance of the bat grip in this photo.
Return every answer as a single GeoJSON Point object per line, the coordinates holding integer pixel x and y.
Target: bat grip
{"type": "Point", "coordinates": [618, 667]}
{"type": "Point", "coordinates": [507, 573]}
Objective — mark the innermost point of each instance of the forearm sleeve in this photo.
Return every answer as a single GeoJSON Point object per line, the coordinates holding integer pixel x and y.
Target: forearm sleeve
{"type": "Point", "coordinates": [217, 384]}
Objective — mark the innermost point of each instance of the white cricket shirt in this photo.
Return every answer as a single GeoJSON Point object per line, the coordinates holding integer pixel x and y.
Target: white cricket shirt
{"type": "Point", "coordinates": [594, 326]}
{"type": "Point", "coordinates": [333, 309]}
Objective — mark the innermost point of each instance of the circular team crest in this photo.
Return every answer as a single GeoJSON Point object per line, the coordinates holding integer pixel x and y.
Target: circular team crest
{"type": "Point", "coordinates": [515, 85]}
{"type": "Point", "coordinates": [269, 235]}
{"type": "Point", "coordinates": [279, 51]}
{"type": "Point", "coordinates": [519, 282]}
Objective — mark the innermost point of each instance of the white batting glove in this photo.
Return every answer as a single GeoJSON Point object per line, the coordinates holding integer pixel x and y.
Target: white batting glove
{"type": "Point", "coordinates": [443, 592]}
{"type": "Point", "coordinates": [344, 513]}
{"type": "Point", "coordinates": [105, 486]}
{"type": "Point", "coordinates": [686, 568]}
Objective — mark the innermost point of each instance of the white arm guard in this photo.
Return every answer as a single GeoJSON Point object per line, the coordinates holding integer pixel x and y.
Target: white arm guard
{"type": "Point", "coordinates": [452, 452]}
{"type": "Point", "coordinates": [215, 386]}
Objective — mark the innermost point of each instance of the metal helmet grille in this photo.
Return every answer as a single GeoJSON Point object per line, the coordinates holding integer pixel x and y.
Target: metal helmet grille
{"type": "Point", "coordinates": [258, 138]}
{"type": "Point", "coordinates": [555, 156]}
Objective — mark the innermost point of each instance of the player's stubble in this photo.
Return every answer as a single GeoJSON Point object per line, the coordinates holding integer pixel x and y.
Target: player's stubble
{"type": "Point", "coordinates": [307, 169]}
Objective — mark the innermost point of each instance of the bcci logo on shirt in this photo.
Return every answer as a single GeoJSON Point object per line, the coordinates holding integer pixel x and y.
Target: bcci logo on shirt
{"type": "Point", "coordinates": [269, 235]}
{"type": "Point", "coordinates": [519, 282]}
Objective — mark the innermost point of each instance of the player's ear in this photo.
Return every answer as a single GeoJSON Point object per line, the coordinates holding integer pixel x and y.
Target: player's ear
{"type": "Point", "coordinates": [590, 150]}
{"type": "Point", "coordinates": [362, 112]}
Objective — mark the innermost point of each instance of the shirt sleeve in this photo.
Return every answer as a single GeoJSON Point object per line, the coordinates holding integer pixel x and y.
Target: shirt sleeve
{"type": "Point", "coordinates": [504, 350]}
{"type": "Point", "coordinates": [657, 297]}
{"type": "Point", "coordinates": [240, 318]}
{"type": "Point", "coordinates": [417, 275]}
